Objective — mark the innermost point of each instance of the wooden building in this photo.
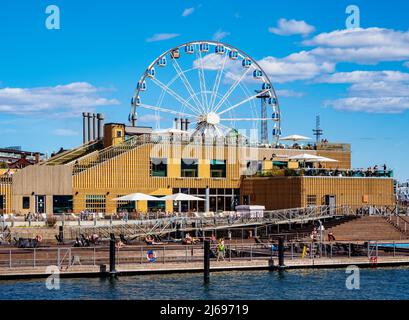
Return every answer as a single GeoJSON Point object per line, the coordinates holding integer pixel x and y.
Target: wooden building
{"type": "Point", "coordinates": [225, 172]}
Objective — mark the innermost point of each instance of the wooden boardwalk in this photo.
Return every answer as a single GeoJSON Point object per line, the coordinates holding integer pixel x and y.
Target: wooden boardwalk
{"type": "Point", "coordinates": [157, 268]}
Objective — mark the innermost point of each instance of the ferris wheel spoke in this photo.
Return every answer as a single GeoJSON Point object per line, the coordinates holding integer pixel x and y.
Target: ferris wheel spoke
{"type": "Point", "coordinates": [171, 92]}
{"type": "Point", "coordinates": [202, 81]}
{"type": "Point", "coordinates": [217, 81]}
{"type": "Point", "coordinates": [146, 106]}
{"type": "Point", "coordinates": [245, 119]}
{"type": "Point", "coordinates": [243, 101]}
{"type": "Point", "coordinates": [230, 91]}
{"type": "Point", "coordinates": [187, 84]}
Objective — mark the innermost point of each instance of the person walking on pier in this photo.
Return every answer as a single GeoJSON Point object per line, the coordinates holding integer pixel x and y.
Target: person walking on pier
{"type": "Point", "coordinates": [220, 249]}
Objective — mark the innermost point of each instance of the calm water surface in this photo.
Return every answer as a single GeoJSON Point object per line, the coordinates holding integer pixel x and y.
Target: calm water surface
{"type": "Point", "coordinates": [382, 283]}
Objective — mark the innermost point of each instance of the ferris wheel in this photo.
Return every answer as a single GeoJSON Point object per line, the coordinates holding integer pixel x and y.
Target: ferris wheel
{"type": "Point", "coordinates": [213, 87]}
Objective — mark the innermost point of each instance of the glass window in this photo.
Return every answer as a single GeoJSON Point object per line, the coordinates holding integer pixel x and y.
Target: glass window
{"type": "Point", "coordinates": [95, 202]}
{"type": "Point", "coordinates": [125, 206]}
{"type": "Point", "coordinates": [193, 191]}
{"type": "Point", "coordinates": [311, 200]}
{"type": "Point", "coordinates": [2, 203]}
{"type": "Point", "coordinates": [220, 192]}
{"type": "Point", "coordinates": [26, 202]}
{"type": "Point", "coordinates": [218, 168]}
{"type": "Point", "coordinates": [159, 167]}
{"type": "Point", "coordinates": [154, 205]}
{"type": "Point", "coordinates": [189, 168]}
{"type": "Point", "coordinates": [62, 204]}
{"type": "Point", "coordinates": [228, 204]}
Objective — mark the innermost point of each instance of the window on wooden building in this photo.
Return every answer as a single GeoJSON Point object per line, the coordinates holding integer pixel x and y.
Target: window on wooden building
{"type": "Point", "coordinates": [95, 203]}
{"type": "Point", "coordinates": [218, 168]}
{"type": "Point", "coordinates": [159, 167]}
{"type": "Point", "coordinates": [26, 202]}
{"type": "Point", "coordinates": [311, 200]}
{"type": "Point", "coordinates": [189, 168]}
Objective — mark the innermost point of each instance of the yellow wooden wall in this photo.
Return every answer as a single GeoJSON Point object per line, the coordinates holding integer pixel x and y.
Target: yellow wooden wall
{"type": "Point", "coordinates": [349, 191]}
{"type": "Point", "coordinates": [130, 172]}
{"type": "Point", "coordinates": [272, 192]}
{"type": "Point", "coordinates": [5, 190]}
{"type": "Point", "coordinates": [292, 192]}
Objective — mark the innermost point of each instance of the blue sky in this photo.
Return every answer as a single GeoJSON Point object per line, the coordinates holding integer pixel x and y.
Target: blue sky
{"type": "Point", "coordinates": [357, 81]}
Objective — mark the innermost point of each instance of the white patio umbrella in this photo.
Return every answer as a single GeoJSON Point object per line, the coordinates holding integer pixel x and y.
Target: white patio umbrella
{"type": "Point", "coordinates": [325, 159]}
{"type": "Point", "coordinates": [307, 157]}
{"type": "Point", "coordinates": [136, 197]}
{"type": "Point", "coordinates": [294, 138]}
{"type": "Point", "coordinates": [181, 197]}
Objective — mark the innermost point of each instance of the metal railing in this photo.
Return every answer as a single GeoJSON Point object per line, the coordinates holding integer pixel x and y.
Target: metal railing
{"type": "Point", "coordinates": [188, 223]}
{"type": "Point", "coordinates": [66, 257]}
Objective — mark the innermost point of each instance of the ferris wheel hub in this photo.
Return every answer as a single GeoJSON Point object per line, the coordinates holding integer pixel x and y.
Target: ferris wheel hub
{"type": "Point", "coordinates": [211, 118]}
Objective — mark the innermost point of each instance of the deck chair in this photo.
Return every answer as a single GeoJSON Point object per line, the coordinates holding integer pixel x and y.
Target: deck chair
{"type": "Point", "coordinates": [84, 241]}
{"type": "Point", "coordinates": [257, 240]}
{"type": "Point", "coordinates": [123, 239]}
{"type": "Point", "coordinates": [75, 260]}
{"type": "Point", "coordinates": [59, 240]}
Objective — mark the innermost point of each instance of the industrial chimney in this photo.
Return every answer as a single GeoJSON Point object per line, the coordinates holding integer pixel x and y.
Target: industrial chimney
{"type": "Point", "coordinates": [100, 118]}
{"type": "Point", "coordinates": [94, 126]}
{"type": "Point", "coordinates": [89, 134]}
{"type": "Point", "coordinates": [85, 127]}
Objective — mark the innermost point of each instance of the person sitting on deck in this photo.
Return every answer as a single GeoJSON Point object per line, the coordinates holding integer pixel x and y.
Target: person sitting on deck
{"type": "Point", "coordinates": [77, 242]}
{"type": "Point", "coordinates": [314, 234]}
{"type": "Point", "coordinates": [331, 236]}
{"type": "Point", "coordinates": [94, 238]}
{"type": "Point", "coordinates": [149, 240]}
{"type": "Point", "coordinates": [190, 240]}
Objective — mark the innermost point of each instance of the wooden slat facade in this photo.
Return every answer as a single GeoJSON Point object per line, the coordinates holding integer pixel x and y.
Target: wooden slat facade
{"type": "Point", "coordinates": [293, 192]}
{"type": "Point", "coordinates": [130, 172]}
{"type": "Point", "coordinates": [6, 194]}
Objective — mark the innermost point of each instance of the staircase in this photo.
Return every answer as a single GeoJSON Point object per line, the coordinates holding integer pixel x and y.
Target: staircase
{"type": "Point", "coordinates": [400, 223]}
{"type": "Point", "coordinates": [303, 232]}
{"type": "Point", "coordinates": [93, 159]}
{"type": "Point", "coordinates": [73, 154]}
{"type": "Point", "coordinates": [367, 228]}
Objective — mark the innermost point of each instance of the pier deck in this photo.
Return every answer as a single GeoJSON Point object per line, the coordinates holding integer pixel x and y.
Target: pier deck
{"type": "Point", "coordinates": [155, 268]}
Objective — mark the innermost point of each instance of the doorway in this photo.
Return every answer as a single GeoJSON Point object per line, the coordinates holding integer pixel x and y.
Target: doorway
{"type": "Point", "coordinates": [40, 204]}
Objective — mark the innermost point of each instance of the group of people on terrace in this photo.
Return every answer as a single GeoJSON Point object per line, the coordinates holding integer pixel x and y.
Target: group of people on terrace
{"type": "Point", "coordinates": [374, 171]}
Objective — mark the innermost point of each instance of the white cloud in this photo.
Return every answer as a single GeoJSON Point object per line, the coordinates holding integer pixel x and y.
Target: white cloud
{"type": "Point", "coordinates": [364, 76]}
{"type": "Point", "coordinates": [363, 46]}
{"type": "Point", "coordinates": [65, 132]}
{"type": "Point", "coordinates": [372, 91]}
{"type": "Point", "coordinates": [291, 68]}
{"type": "Point", "coordinates": [289, 93]}
{"type": "Point", "coordinates": [63, 100]}
{"type": "Point", "coordinates": [220, 34]}
{"type": "Point", "coordinates": [291, 27]}
{"type": "Point", "coordinates": [162, 37]}
{"type": "Point", "coordinates": [187, 12]}
{"type": "Point", "coordinates": [380, 89]}
{"type": "Point", "coordinates": [371, 104]}
{"type": "Point", "coordinates": [212, 61]}
{"type": "Point", "coordinates": [149, 118]}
